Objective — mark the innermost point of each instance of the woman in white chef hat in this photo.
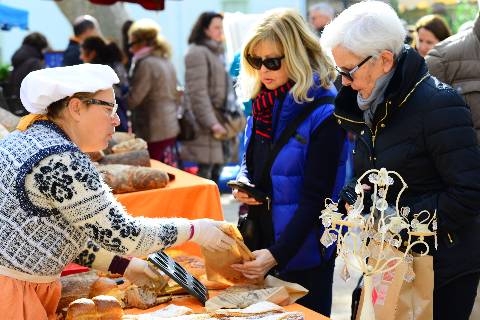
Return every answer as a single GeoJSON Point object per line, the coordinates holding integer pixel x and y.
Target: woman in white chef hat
{"type": "Point", "coordinates": [55, 208]}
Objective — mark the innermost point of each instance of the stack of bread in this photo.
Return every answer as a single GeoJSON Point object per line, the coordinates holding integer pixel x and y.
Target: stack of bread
{"type": "Point", "coordinates": [89, 284]}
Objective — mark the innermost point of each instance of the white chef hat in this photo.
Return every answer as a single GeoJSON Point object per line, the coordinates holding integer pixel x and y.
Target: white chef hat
{"type": "Point", "coordinates": [42, 87]}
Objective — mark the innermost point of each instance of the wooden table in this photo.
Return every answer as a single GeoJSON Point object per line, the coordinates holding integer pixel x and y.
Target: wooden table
{"type": "Point", "coordinates": [188, 196]}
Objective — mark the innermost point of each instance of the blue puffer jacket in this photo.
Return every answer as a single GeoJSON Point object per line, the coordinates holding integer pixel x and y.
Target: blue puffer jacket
{"type": "Point", "coordinates": [296, 201]}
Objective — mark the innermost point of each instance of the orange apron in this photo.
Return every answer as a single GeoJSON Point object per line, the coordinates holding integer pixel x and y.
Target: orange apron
{"type": "Point", "coordinates": [26, 297]}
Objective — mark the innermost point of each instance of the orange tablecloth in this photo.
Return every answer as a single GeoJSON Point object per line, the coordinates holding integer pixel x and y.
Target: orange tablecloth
{"type": "Point", "coordinates": [188, 196]}
{"type": "Point", "coordinates": [197, 307]}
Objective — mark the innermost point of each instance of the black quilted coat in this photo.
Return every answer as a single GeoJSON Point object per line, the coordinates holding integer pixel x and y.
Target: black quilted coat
{"type": "Point", "coordinates": [424, 131]}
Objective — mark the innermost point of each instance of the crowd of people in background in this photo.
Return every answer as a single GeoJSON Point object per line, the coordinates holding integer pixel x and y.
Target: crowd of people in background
{"type": "Point", "coordinates": [282, 67]}
{"type": "Point", "coordinates": [149, 107]}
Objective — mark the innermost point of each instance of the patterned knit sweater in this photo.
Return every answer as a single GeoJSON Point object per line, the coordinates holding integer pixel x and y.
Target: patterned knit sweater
{"type": "Point", "coordinates": [53, 203]}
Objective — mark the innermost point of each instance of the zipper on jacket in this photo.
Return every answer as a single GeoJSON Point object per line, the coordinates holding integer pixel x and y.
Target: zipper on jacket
{"type": "Point", "coordinates": [371, 147]}
{"type": "Point", "coordinates": [450, 238]}
{"type": "Point", "coordinates": [353, 121]}
{"type": "Point", "coordinates": [374, 135]}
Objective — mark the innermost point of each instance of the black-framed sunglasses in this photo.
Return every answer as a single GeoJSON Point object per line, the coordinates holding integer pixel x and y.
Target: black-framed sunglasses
{"type": "Point", "coordinates": [112, 105]}
{"type": "Point", "coordinates": [131, 44]}
{"type": "Point", "coordinates": [349, 74]}
{"type": "Point", "coordinates": [273, 64]}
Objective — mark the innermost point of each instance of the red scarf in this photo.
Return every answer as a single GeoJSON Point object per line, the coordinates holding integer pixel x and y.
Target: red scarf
{"type": "Point", "coordinates": [262, 108]}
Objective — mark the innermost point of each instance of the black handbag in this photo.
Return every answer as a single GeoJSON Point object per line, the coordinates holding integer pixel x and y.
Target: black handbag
{"type": "Point", "coordinates": [187, 123]}
{"type": "Point", "coordinates": [249, 230]}
{"type": "Point", "coordinates": [255, 233]}
{"type": "Point", "coordinates": [186, 119]}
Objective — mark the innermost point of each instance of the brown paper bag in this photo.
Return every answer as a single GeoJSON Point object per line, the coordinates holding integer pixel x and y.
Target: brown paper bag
{"type": "Point", "coordinates": [396, 299]}
{"type": "Point", "coordinates": [386, 286]}
{"type": "Point", "coordinates": [294, 290]}
{"type": "Point", "coordinates": [416, 297]}
{"type": "Point", "coordinates": [273, 290]}
{"type": "Point", "coordinates": [217, 264]}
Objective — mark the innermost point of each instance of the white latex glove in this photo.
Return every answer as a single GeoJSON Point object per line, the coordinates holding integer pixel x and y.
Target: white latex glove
{"type": "Point", "coordinates": [206, 233]}
{"type": "Point", "coordinates": [140, 273]}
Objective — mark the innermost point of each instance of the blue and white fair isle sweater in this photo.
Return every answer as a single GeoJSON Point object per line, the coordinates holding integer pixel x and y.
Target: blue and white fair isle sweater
{"type": "Point", "coordinates": [53, 200]}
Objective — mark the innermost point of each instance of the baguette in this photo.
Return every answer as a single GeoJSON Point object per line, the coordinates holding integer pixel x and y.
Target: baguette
{"type": "Point", "coordinates": [124, 178]}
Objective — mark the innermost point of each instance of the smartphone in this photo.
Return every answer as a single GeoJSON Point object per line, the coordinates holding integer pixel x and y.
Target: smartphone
{"type": "Point", "coordinates": [258, 195]}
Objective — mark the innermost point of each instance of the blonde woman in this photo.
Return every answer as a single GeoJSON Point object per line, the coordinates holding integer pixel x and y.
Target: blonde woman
{"type": "Point", "coordinates": [152, 96]}
{"type": "Point", "coordinates": [284, 70]}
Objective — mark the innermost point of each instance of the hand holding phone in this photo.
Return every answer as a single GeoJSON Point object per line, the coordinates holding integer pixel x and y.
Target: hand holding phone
{"type": "Point", "coordinates": [259, 196]}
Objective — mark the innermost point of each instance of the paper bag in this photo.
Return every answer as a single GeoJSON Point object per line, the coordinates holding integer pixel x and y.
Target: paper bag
{"type": "Point", "coordinates": [416, 297]}
{"type": "Point", "coordinates": [396, 299]}
{"type": "Point", "coordinates": [273, 290]}
{"type": "Point", "coordinates": [386, 286]}
{"type": "Point", "coordinates": [218, 264]}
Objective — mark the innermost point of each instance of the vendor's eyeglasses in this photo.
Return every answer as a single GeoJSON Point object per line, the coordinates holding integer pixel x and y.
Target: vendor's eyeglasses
{"type": "Point", "coordinates": [349, 74]}
{"type": "Point", "coordinates": [112, 105]}
{"type": "Point", "coordinates": [273, 64]}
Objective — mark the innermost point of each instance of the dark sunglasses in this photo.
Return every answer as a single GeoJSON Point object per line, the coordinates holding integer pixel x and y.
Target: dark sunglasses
{"type": "Point", "coordinates": [349, 74]}
{"type": "Point", "coordinates": [131, 44]}
{"type": "Point", "coordinates": [112, 105]}
{"type": "Point", "coordinates": [273, 64]}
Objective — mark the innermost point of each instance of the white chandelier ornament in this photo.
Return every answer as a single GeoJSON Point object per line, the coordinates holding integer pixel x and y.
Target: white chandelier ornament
{"type": "Point", "coordinates": [361, 236]}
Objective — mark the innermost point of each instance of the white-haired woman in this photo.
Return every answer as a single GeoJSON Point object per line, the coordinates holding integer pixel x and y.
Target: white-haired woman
{"type": "Point", "coordinates": [54, 201]}
{"type": "Point", "coordinates": [285, 72]}
{"type": "Point", "coordinates": [408, 121]}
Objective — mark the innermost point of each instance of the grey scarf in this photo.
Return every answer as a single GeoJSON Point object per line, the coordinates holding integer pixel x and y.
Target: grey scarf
{"type": "Point", "coordinates": [369, 105]}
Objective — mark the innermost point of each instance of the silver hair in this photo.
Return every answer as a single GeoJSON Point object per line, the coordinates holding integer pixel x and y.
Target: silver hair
{"type": "Point", "coordinates": [324, 8]}
{"type": "Point", "coordinates": [366, 29]}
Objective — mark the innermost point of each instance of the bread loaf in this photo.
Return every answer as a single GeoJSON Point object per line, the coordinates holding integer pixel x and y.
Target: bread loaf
{"type": "Point", "coordinates": [82, 309]}
{"type": "Point", "coordinates": [123, 178]}
{"type": "Point", "coordinates": [133, 158]}
{"type": "Point", "coordinates": [108, 308]}
{"type": "Point", "coordinates": [96, 156]}
{"type": "Point", "coordinates": [3, 131]}
{"type": "Point", "coordinates": [107, 287]}
{"type": "Point", "coordinates": [8, 119]}
{"type": "Point", "coordinates": [97, 308]}
{"type": "Point", "coordinates": [74, 287]}
{"type": "Point", "coordinates": [119, 137]}
{"type": "Point", "coordinates": [142, 298]}
{"type": "Point", "coordinates": [130, 145]}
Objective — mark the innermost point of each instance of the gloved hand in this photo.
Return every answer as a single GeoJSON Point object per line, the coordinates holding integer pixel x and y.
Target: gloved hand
{"type": "Point", "coordinates": [348, 196]}
{"type": "Point", "coordinates": [348, 193]}
{"type": "Point", "coordinates": [206, 233]}
{"type": "Point", "coordinates": [140, 273]}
